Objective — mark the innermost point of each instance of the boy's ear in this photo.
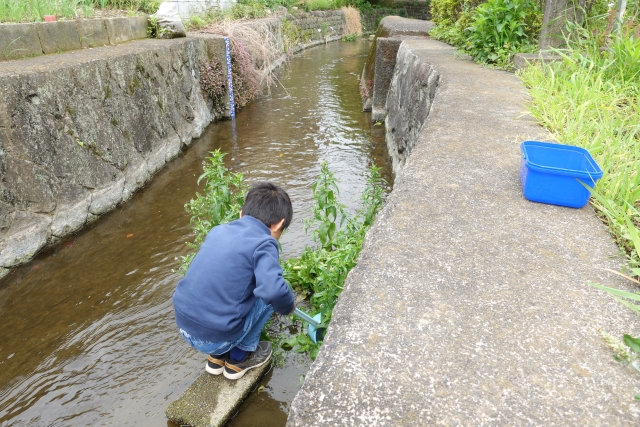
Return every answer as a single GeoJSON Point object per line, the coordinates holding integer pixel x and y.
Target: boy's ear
{"type": "Point", "coordinates": [277, 226]}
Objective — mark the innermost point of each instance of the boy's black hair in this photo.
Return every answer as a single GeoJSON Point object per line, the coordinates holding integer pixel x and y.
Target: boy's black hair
{"type": "Point", "coordinates": [268, 203]}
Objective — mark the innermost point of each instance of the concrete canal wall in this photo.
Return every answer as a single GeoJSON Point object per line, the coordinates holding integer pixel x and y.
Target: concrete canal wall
{"type": "Point", "coordinates": [81, 131]}
{"type": "Point", "coordinates": [18, 41]}
{"type": "Point", "coordinates": [470, 305]}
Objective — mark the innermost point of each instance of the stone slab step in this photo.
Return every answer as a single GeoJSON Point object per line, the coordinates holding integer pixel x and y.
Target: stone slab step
{"type": "Point", "coordinates": [212, 399]}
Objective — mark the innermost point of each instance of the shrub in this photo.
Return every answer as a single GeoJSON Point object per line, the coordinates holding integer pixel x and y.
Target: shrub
{"type": "Point", "coordinates": [445, 13]}
{"type": "Point", "coordinates": [291, 35]}
{"type": "Point", "coordinates": [248, 9]}
{"type": "Point", "coordinates": [501, 28]}
{"type": "Point", "coordinates": [196, 22]}
{"type": "Point", "coordinates": [453, 33]}
{"type": "Point", "coordinates": [310, 5]}
{"type": "Point", "coordinates": [213, 79]}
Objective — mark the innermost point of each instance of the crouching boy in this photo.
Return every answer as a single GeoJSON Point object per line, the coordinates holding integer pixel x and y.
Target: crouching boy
{"type": "Point", "coordinates": [234, 284]}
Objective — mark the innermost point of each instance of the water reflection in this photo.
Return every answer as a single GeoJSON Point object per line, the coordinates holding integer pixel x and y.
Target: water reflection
{"type": "Point", "coordinates": [88, 335]}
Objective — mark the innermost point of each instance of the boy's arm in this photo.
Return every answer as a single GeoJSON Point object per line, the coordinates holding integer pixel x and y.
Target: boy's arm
{"type": "Point", "coordinates": [270, 285]}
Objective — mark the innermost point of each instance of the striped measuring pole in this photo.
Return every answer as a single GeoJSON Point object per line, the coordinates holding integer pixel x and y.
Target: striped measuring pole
{"type": "Point", "coordinates": [232, 103]}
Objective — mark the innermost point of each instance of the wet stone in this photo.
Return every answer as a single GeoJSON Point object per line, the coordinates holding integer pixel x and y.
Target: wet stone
{"type": "Point", "coordinates": [212, 399]}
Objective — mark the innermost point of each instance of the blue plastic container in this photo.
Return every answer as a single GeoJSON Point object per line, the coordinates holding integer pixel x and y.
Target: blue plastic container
{"type": "Point", "coordinates": [551, 173]}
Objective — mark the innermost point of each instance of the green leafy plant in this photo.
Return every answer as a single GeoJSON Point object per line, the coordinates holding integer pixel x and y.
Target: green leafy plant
{"type": "Point", "coordinates": [310, 5]}
{"type": "Point", "coordinates": [627, 351]}
{"type": "Point", "coordinates": [220, 202]}
{"type": "Point", "coordinates": [499, 29]}
{"type": "Point", "coordinates": [152, 27]}
{"type": "Point", "coordinates": [248, 9]}
{"type": "Point", "coordinates": [350, 37]}
{"type": "Point", "coordinates": [146, 6]}
{"type": "Point", "coordinates": [327, 209]}
{"type": "Point", "coordinates": [452, 17]}
{"type": "Point", "coordinates": [320, 272]}
{"type": "Point", "coordinates": [196, 22]}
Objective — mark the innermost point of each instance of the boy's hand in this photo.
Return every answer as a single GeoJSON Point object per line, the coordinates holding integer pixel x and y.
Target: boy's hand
{"type": "Point", "coordinates": [294, 308]}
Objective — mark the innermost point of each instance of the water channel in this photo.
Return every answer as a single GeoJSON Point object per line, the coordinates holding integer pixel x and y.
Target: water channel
{"type": "Point", "coordinates": [88, 334]}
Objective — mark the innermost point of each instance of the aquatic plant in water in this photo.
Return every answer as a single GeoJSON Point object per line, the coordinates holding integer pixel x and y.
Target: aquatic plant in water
{"type": "Point", "coordinates": [220, 202]}
{"type": "Point", "coordinates": [321, 272]}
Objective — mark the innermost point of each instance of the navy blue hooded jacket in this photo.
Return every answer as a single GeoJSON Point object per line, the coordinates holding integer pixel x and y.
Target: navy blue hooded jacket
{"type": "Point", "coordinates": [236, 264]}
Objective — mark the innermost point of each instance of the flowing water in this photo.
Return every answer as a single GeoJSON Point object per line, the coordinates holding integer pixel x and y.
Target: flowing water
{"type": "Point", "coordinates": [87, 333]}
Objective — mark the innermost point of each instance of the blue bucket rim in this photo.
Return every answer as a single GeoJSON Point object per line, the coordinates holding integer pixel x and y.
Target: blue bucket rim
{"type": "Point", "coordinates": [595, 175]}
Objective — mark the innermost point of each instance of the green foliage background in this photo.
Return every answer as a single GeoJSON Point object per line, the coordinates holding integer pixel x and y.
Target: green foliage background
{"type": "Point", "coordinates": [490, 32]}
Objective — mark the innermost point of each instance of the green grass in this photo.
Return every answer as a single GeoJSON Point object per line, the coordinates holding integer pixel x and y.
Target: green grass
{"type": "Point", "coordinates": [592, 99]}
{"type": "Point", "coordinates": [34, 10]}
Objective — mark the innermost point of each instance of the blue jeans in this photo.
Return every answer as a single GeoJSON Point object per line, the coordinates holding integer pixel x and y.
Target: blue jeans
{"type": "Point", "coordinates": [248, 341]}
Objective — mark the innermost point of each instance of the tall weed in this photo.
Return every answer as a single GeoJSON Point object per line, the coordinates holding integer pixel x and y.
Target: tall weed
{"type": "Point", "coordinates": [321, 272]}
{"type": "Point", "coordinates": [220, 202]}
{"type": "Point", "coordinates": [353, 22]}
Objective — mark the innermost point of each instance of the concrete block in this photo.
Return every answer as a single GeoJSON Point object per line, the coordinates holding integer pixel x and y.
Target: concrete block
{"type": "Point", "coordinates": [58, 36]}
{"type": "Point", "coordinates": [19, 41]}
{"type": "Point", "coordinates": [397, 26]}
{"type": "Point", "coordinates": [138, 27]}
{"type": "Point", "coordinates": [105, 199]}
{"type": "Point", "coordinates": [212, 399]}
{"type": "Point", "coordinates": [119, 30]}
{"type": "Point", "coordinates": [385, 62]}
{"type": "Point", "coordinates": [92, 32]}
{"type": "Point", "coordinates": [169, 22]}
{"type": "Point", "coordinates": [522, 60]}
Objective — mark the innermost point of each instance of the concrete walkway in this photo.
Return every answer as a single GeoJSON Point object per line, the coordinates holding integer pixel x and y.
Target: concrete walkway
{"type": "Point", "coordinates": [470, 305]}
